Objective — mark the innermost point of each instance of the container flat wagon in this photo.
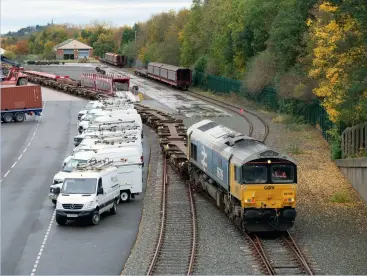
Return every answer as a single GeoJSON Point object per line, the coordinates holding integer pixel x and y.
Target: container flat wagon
{"type": "Point", "coordinates": [17, 101]}
{"type": "Point", "coordinates": [175, 76]}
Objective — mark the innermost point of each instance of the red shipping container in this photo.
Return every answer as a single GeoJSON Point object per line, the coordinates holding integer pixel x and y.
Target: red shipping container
{"type": "Point", "coordinates": [21, 97]}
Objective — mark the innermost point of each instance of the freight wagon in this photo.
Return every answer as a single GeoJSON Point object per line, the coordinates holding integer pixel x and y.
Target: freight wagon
{"type": "Point", "coordinates": [176, 76]}
{"type": "Point", "coordinates": [17, 101]}
{"type": "Point", "coordinates": [114, 59]}
{"type": "Point", "coordinates": [107, 84]}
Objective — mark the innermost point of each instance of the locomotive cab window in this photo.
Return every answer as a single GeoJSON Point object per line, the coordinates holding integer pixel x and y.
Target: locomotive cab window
{"type": "Point", "coordinates": [282, 173]}
{"type": "Point", "coordinates": [193, 151]}
{"type": "Point", "coordinates": [254, 174]}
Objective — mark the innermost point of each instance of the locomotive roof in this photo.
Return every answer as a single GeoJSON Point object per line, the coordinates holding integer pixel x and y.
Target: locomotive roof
{"type": "Point", "coordinates": [166, 66]}
{"type": "Point", "coordinates": [229, 142]}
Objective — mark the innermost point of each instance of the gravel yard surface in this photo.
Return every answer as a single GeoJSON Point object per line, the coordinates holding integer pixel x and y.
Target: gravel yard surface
{"type": "Point", "coordinates": [333, 234]}
{"type": "Point", "coordinates": [221, 248]}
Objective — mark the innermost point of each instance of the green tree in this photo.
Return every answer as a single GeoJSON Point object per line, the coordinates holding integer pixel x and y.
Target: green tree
{"type": "Point", "coordinates": [105, 43]}
{"type": "Point", "coordinates": [9, 55]}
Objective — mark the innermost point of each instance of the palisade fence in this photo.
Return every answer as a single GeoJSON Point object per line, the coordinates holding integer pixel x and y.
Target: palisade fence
{"type": "Point", "coordinates": [354, 141]}
{"type": "Point", "coordinates": [312, 113]}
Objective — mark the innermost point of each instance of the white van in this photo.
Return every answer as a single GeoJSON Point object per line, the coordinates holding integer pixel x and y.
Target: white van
{"type": "Point", "coordinates": [128, 127]}
{"type": "Point", "coordinates": [82, 157]}
{"type": "Point", "coordinates": [98, 143]}
{"type": "Point", "coordinates": [87, 193]}
{"type": "Point", "coordinates": [78, 159]}
{"type": "Point", "coordinates": [100, 134]}
{"type": "Point", "coordinates": [90, 105]}
{"type": "Point", "coordinates": [94, 113]}
{"type": "Point", "coordinates": [108, 111]}
{"type": "Point", "coordinates": [114, 118]}
{"type": "Point", "coordinates": [130, 173]}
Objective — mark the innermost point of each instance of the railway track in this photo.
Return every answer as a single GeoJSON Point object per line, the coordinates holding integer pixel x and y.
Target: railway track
{"type": "Point", "coordinates": [235, 108]}
{"type": "Point", "coordinates": [175, 250]}
{"type": "Point", "coordinates": [176, 244]}
{"type": "Point", "coordinates": [280, 255]}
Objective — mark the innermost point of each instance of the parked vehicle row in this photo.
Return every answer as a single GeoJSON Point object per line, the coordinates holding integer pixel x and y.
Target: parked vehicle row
{"type": "Point", "coordinates": [106, 165]}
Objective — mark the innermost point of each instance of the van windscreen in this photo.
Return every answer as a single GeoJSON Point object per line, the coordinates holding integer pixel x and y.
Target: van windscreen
{"type": "Point", "coordinates": [79, 186]}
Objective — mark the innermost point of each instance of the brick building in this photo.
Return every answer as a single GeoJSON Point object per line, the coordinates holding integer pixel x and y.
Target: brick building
{"type": "Point", "coordinates": [73, 49]}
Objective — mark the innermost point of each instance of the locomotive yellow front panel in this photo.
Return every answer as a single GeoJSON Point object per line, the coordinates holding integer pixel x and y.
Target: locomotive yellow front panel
{"type": "Point", "coordinates": [268, 196]}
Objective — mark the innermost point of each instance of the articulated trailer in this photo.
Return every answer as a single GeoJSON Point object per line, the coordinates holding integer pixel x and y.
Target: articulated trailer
{"type": "Point", "coordinates": [19, 101]}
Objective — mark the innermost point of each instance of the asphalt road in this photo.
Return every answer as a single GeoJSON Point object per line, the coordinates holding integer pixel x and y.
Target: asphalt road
{"type": "Point", "coordinates": [30, 237]}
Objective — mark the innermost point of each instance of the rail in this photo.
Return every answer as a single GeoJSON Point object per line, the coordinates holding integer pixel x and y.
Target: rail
{"type": "Point", "coordinates": [290, 262]}
{"type": "Point", "coordinates": [173, 143]}
{"type": "Point", "coordinates": [168, 258]}
{"type": "Point", "coordinates": [236, 109]}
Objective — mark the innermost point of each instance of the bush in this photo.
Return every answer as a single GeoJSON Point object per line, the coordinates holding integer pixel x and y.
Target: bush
{"type": "Point", "coordinates": [10, 55]}
{"type": "Point", "coordinates": [261, 72]}
{"type": "Point", "coordinates": [286, 106]}
{"type": "Point", "coordinates": [335, 143]}
{"type": "Point", "coordinates": [201, 65]}
{"type": "Point", "coordinates": [340, 197]}
{"type": "Point", "coordinates": [294, 149]}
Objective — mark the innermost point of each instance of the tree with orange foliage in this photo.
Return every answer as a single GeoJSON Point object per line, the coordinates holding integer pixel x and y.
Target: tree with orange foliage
{"type": "Point", "coordinates": [22, 47]}
{"type": "Point", "coordinates": [337, 55]}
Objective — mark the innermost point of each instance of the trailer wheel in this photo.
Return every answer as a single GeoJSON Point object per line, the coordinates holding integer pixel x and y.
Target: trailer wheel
{"type": "Point", "coordinates": [8, 118]}
{"type": "Point", "coordinates": [19, 117]}
{"type": "Point", "coordinates": [23, 81]}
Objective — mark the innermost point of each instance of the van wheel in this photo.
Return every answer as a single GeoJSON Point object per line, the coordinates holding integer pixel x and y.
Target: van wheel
{"type": "Point", "coordinates": [61, 220]}
{"type": "Point", "coordinates": [19, 117]}
{"type": "Point", "coordinates": [124, 196]}
{"type": "Point", "coordinates": [96, 218]}
{"type": "Point", "coordinates": [8, 117]}
{"type": "Point", "coordinates": [113, 210]}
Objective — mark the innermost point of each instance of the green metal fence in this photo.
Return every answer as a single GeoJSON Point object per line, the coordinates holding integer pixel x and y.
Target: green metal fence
{"type": "Point", "coordinates": [312, 113]}
{"type": "Point", "coordinates": [216, 83]}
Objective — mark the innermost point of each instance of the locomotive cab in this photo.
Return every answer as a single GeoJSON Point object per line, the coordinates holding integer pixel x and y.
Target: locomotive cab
{"type": "Point", "coordinates": [267, 189]}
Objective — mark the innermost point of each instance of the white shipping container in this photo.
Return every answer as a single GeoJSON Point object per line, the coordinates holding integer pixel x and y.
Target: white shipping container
{"type": "Point", "coordinates": [156, 71]}
{"type": "Point", "coordinates": [172, 75]}
{"type": "Point", "coordinates": [164, 73]}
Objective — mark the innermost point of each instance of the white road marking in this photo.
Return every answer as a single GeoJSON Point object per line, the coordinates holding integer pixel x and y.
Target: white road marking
{"type": "Point", "coordinates": [43, 245]}
{"type": "Point", "coordinates": [29, 143]}
{"type": "Point", "coordinates": [7, 173]}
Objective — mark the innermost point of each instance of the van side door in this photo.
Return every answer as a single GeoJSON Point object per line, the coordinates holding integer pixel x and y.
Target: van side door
{"type": "Point", "coordinates": [101, 196]}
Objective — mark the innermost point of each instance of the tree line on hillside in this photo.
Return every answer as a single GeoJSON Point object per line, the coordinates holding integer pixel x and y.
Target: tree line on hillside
{"type": "Point", "coordinates": [303, 48]}
{"type": "Point", "coordinates": [306, 49]}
